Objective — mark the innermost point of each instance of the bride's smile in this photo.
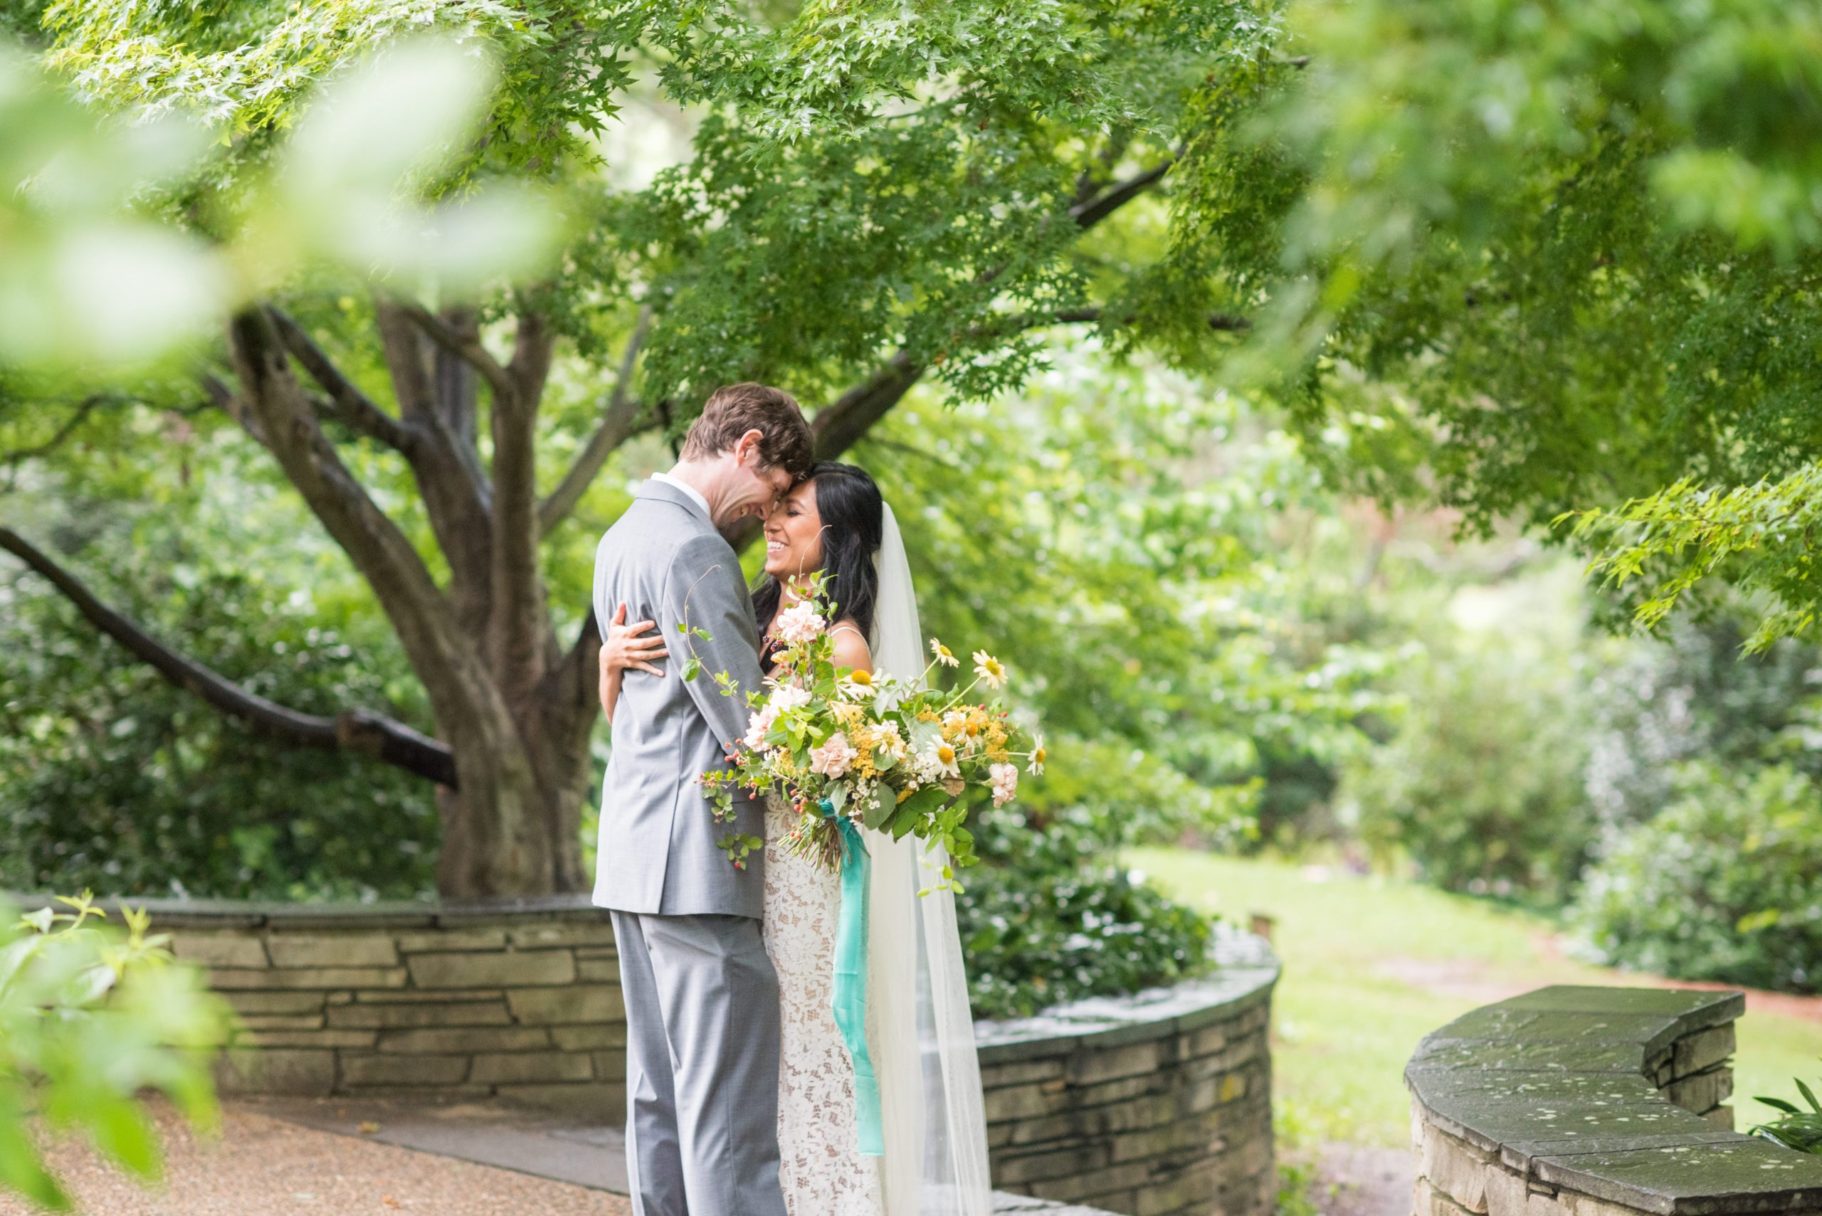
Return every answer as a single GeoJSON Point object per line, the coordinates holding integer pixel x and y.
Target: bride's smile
{"type": "Point", "coordinates": [793, 534]}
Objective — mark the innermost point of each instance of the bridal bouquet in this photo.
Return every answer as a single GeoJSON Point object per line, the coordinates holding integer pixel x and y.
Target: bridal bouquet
{"type": "Point", "coordinates": [845, 748]}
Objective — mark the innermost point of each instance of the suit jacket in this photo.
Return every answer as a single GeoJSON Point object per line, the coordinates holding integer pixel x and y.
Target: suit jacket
{"type": "Point", "coordinates": [666, 562]}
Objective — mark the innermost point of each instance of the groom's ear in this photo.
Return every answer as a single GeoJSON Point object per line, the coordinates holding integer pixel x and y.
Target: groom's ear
{"type": "Point", "coordinates": [749, 445]}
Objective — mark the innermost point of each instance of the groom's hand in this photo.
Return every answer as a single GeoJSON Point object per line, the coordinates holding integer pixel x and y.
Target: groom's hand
{"type": "Point", "coordinates": [626, 649]}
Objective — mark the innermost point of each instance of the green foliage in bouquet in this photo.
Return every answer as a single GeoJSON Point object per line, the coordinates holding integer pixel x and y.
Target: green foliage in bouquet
{"type": "Point", "coordinates": [1794, 1128]}
{"type": "Point", "coordinates": [1724, 884]}
{"type": "Point", "coordinates": [1049, 919]}
{"type": "Point", "coordinates": [889, 753]}
{"type": "Point", "coordinates": [89, 1017]}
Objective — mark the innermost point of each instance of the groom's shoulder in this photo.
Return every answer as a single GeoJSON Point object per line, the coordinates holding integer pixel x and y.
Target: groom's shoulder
{"type": "Point", "coordinates": [656, 531]}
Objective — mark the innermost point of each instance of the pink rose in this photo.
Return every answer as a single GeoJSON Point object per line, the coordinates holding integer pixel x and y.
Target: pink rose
{"type": "Point", "coordinates": [1005, 782]}
{"type": "Point", "coordinates": [833, 758]}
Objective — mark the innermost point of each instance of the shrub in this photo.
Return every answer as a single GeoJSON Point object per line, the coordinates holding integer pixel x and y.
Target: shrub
{"type": "Point", "coordinates": [1045, 919]}
{"type": "Point", "coordinates": [1481, 787]}
{"type": "Point", "coordinates": [1695, 695]}
{"type": "Point", "coordinates": [114, 779]}
{"type": "Point", "coordinates": [1724, 884]}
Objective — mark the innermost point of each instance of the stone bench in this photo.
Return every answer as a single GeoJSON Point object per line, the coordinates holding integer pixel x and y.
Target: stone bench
{"type": "Point", "coordinates": [1578, 1101]}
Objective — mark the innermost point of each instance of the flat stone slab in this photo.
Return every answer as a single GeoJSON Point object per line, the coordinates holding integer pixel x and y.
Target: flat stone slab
{"type": "Point", "coordinates": [1440, 1054]}
{"type": "Point", "coordinates": [1553, 1083]}
{"type": "Point", "coordinates": [1645, 1032]}
{"type": "Point", "coordinates": [1696, 1007]}
{"type": "Point", "coordinates": [1750, 1175]}
{"type": "Point", "coordinates": [586, 1154]}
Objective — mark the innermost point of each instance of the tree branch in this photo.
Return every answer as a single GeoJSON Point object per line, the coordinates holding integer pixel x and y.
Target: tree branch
{"type": "Point", "coordinates": [619, 421]}
{"type": "Point", "coordinates": [518, 639]}
{"type": "Point", "coordinates": [466, 346]}
{"type": "Point", "coordinates": [838, 425]}
{"type": "Point", "coordinates": [235, 407]}
{"type": "Point", "coordinates": [351, 405]}
{"type": "Point", "coordinates": [1088, 214]}
{"type": "Point", "coordinates": [1220, 322]}
{"type": "Point", "coordinates": [357, 730]}
{"type": "Point", "coordinates": [442, 656]}
{"type": "Point", "coordinates": [84, 408]}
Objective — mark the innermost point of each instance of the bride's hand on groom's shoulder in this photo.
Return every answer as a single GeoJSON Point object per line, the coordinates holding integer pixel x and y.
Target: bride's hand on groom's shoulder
{"type": "Point", "coordinates": [632, 647]}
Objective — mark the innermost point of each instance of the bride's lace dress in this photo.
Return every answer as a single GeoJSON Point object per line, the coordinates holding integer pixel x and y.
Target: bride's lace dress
{"type": "Point", "coordinates": [821, 1171]}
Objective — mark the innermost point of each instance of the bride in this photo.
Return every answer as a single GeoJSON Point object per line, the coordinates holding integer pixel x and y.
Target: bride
{"type": "Point", "coordinates": [919, 1034]}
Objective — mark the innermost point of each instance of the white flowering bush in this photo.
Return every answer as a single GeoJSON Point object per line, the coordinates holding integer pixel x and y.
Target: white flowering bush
{"type": "Point", "coordinates": [889, 755]}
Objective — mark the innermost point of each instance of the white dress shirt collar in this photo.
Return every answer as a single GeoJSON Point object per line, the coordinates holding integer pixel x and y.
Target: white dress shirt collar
{"type": "Point", "coordinates": [692, 491]}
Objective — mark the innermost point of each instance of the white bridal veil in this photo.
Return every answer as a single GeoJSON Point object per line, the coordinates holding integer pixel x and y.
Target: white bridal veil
{"type": "Point", "coordinates": [923, 1050]}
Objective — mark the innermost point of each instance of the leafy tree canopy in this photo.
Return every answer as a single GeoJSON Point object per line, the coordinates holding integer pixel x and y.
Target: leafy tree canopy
{"type": "Point", "coordinates": [1556, 257]}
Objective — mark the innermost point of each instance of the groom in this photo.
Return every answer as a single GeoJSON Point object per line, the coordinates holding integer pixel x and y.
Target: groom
{"type": "Point", "coordinates": [701, 995]}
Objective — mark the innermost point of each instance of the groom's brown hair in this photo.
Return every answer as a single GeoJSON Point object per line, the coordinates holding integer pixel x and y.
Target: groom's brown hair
{"type": "Point", "coordinates": [735, 409]}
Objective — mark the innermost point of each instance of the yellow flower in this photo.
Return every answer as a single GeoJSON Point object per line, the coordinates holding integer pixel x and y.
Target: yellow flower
{"type": "Point", "coordinates": [991, 671]}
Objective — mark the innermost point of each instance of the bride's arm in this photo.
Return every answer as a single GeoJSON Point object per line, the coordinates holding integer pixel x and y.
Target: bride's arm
{"type": "Point", "coordinates": [625, 648]}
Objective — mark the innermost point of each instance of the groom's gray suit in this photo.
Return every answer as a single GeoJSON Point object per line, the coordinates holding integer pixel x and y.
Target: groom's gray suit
{"type": "Point", "coordinates": [701, 995]}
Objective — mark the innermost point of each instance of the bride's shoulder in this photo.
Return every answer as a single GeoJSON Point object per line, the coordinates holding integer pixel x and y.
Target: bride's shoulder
{"type": "Point", "coordinates": [851, 649]}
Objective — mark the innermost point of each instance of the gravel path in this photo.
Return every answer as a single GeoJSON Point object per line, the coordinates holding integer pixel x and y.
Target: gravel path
{"type": "Point", "coordinates": [261, 1166]}
{"type": "Point", "coordinates": [1352, 1180]}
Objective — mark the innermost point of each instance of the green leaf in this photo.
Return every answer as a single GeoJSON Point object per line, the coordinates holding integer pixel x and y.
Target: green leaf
{"type": "Point", "coordinates": [123, 1132]}
{"type": "Point", "coordinates": [875, 816]}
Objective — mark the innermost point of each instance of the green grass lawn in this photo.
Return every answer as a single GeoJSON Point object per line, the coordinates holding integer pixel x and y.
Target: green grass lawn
{"type": "Point", "coordinates": [1372, 965]}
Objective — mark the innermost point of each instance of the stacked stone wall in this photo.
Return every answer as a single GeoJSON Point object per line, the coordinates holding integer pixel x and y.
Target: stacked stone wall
{"type": "Point", "coordinates": [1158, 1105]}
{"type": "Point", "coordinates": [518, 1001]}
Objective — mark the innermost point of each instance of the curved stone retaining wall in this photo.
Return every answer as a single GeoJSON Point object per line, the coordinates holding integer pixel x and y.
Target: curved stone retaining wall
{"type": "Point", "coordinates": [1573, 1101]}
{"type": "Point", "coordinates": [1154, 1105]}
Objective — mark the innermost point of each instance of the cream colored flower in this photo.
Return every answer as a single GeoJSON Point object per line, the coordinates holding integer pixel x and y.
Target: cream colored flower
{"type": "Point", "coordinates": [941, 760]}
{"type": "Point", "coordinates": [991, 671]}
{"type": "Point", "coordinates": [943, 654]}
{"type": "Point", "coordinates": [801, 623]}
{"type": "Point", "coordinates": [1039, 754]}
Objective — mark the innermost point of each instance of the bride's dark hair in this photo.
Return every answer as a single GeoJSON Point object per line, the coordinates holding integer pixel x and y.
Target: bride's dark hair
{"type": "Point", "coordinates": [853, 521]}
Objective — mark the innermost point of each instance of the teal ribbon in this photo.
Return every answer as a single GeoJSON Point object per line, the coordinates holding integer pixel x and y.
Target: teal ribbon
{"type": "Point", "coordinates": [848, 997]}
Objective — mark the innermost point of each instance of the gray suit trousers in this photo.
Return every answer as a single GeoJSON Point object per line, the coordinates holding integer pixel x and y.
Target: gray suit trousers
{"type": "Point", "coordinates": [702, 1028]}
